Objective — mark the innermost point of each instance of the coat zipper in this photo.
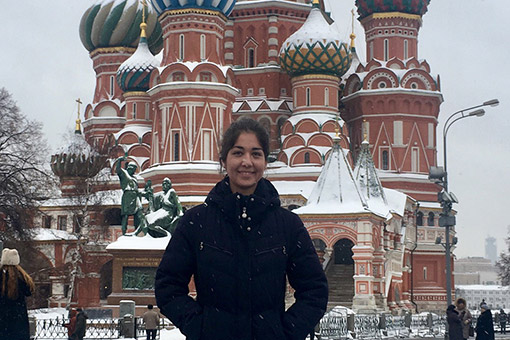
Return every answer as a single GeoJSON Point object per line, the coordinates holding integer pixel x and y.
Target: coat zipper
{"type": "Point", "coordinates": [202, 245]}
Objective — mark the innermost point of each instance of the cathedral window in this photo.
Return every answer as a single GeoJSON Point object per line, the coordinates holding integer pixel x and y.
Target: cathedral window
{"type": "Point", "coordinates": [406, 49]}
{"type": "Point", "coordinates": [46, 222]}
{"type": "Point", "coordinates": [307, 157]}
{"type": "Point", "coordinates": [425, 276]}
{"type": "Point", "coordinates": [308, 96]}
{"type": "Point", "coordinates": [386, 49]}
{"type": "Point", "coordinates": [112, 85]}
{"type": "Point", "coordinates": [202, 47]}
{"type": "Point", "coordinates": [431, 219]}
{"type": "Point", "coordinates": [371, 50]}
{"type": "Point", "coordinates": [251, 57]}
{"type": "Point", "coordinates": [385, 160]}
{"type": "Point", "coordinates": [147, 111]}
{"type": "Point", "coordinates": [419, 218]}
{"type": "Point", "coordinates": [134, 110]}
{"type": "Point", "coordinates": [176, 146]}
{"type": "Point", "coordinates": [181, 47]}
{"type": "Point", "coordinates": [326, 96]}
{"type": "Point", "coordinates": [206, 145]}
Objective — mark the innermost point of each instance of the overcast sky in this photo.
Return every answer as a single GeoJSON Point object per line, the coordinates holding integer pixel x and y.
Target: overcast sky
{"type": "Point", "coordinates": [46, 68]}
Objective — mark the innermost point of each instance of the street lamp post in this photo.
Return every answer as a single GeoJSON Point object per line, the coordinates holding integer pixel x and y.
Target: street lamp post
{"type": "Point", "coordinates": [446, 198]}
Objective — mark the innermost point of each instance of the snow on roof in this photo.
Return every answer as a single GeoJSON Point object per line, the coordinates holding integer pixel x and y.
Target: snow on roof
{"type": "Point", "coordinates": [482, 287]}
{"type": "Point", "coordinates": [138, 130]}
{"type": "Point", "coordinates": [106, 197]}
{"type": "Point", "coordinates": [320, 118]}
{"type": "Point", "coordinates": [303, 188]}
{"type": "Point", "coordinates": [191, 65]}
{"type": "Point", "coordinates": [315, 28]}
{"type": "Point", "coordinates": [430, 205]}
{"type": "Point", "coordinates": [146, 242]}
{"type": "Point", "coordinates": [336, 190]}
{"type": "Point", "coordinates": [139, 160]}
{"type": "Point", "coordinates": [44, 234]}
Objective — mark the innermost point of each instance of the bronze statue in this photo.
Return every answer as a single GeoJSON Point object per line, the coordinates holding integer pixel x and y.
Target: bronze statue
{"type": "Point", "coordinates": [131, 197]}
{"type": "Point", "coordinates": [167, 208]}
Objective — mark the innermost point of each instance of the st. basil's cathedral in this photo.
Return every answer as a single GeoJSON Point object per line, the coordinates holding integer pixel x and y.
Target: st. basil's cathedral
{"type": "Point", "coordinates": [352, 138]}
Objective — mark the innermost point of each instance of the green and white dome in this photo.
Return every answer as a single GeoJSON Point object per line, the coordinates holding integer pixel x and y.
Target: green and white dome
{"type": "Point", "coordinates": [315, 49]}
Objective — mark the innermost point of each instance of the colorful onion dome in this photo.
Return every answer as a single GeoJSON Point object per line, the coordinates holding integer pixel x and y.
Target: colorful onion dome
{"type": "Point", "coordinates": [135, 72]}
{"type": "Point", "coordinates": [223, 6]}
{"type": "Point", "coordinates": [368, 7]}
{"type": "Point", "coordinates": [315, 49]}
{"type": "Point", "coordinates": [116, 23]}
{"type": "Point", "coordinates": [78, 159]}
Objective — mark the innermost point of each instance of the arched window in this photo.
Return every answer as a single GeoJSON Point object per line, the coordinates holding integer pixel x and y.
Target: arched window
{"type": "Point", "coordinates": [134, 110]}
{"type": "Point", "coordinates": [176, 146]}
{"type": "Point", "coordinates": [307, 157]}
{"type": "Point", "coordinates": [385, 160]}
{"type": "Point", "coordinates": [406, 49]}
{"type": "Point", "coordinates": [112, 85]}
{"type": "Point", "coordinates": [251, 57]}
{"type": "Point", "coordinates": [430, 219]}
{"type": "Point", "coordinates": [419, 218]}
{"type": "Point", "coordinates": [386, 49]}
{"type": "Point", "coordinates": [202, 47]}
{"type": "Point", "coordinates": [326, 96]}
{"type": "Point", "coordinates": [308, 96]}
{"type": "Point", "coordinates": [181, 47]}
{"type": "Point", "coordinates": [371, 50]}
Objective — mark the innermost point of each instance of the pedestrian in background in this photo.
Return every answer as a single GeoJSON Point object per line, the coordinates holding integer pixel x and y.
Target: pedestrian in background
{"type": "Point", "coordinates": [454, 323]}
{"type": "Point", "coordinates": [465, 317]}
{"type": "Point", "coordinates": [484, 324]}
{"type": "Point", "coordinates": [81, 325]}
{"type": "Point", "coordinates": [151, 321]}
{"type": "Point", "coordinates": [71, 325]}
{"type": "Point", "coordinates": [15, 285]}
{"type": "Point", "coordinates": [241, 246]}
{"type": "Point", "coordinates": [503, 317]}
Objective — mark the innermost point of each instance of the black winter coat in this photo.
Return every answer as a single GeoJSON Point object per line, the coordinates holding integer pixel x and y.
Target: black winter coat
{"type": "Point", "coordinates": [240, 249]}
{"type": "Point", "coordinates": [484, 326]}
{"type": "Point", "coordinates": [13, 314]}
{"type": "Point", "coordinates": [81, 326]}
{"type": "Point", "coordinates": [454, 325]}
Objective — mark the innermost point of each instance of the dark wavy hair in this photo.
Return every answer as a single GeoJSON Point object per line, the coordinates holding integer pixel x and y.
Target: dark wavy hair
{"type": "Point", "coordinates": [236, 128]}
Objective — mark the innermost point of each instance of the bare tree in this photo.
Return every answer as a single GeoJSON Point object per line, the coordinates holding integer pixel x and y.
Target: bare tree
{"type": "Point", "coordinates": [503, 265]}
{"type": "Point", "coordinates": [24, 180]}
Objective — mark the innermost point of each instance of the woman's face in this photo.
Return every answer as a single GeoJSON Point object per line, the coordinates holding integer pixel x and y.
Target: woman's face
{"type": "Point", "coordinates": [245, 164]}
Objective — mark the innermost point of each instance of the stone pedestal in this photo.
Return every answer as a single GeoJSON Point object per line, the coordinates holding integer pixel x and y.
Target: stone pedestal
{"type": "Point", "coordinates": [135, 261]}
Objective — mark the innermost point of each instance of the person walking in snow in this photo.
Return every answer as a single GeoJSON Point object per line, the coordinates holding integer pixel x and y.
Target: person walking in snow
{"type": "Point", "coordinates": [15, 286]}
{"type": "Point", "coordinates": [465, 316]}
{"type": "Point", "coordinates": [151, 322]}
{"type": "Point", "coordinates": [240, 246]}
{"type": "Point", "coordinates": [81, 325]}
{"type": "Point", "coordinates": [503, 317]}
{"type": "Point", "coordinates": [454, 323]}
{"type": "Point", "coordinates": [484, 324]}
{"type": "Point", "coordinates": [71, 325]}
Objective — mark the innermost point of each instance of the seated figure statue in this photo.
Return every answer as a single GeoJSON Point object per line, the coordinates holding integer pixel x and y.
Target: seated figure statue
{"type": "Point", "coordinates": [167, 209]}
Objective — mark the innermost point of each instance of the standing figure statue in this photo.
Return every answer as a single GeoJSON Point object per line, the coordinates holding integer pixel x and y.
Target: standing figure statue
{"type": "Point", "coordinates": [131, 203]}
{"type": "Point", "coordinates": [167, 208]}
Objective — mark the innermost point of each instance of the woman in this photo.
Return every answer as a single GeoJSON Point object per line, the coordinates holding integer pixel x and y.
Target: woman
{"type": "Point", "coordinates": [71, 325]}
{"type": "Point", "coordinates": [15, 285]}
{"type": "Point", "coordinates": [465, 316]}
{"type": "Point", "coordinates": [240, 246]}
{"type": "Point", "coordinates": [454, 323]}
{"type": "Point", "coordinates": [484, 325]}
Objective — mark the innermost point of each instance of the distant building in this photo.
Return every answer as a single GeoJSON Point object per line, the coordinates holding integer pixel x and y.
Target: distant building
{"type": "Point", "coordinates": [495, 296]}
{"type": "Point", "coordinates": [491, 249]}
{"type": "Point", "coordinates": [475, 271]}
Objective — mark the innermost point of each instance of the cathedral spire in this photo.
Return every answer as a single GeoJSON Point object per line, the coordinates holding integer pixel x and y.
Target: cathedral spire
{"type": "Point", "coordinates": [77, 129]}
{"type": "Point", "coordinates": [352, 36]}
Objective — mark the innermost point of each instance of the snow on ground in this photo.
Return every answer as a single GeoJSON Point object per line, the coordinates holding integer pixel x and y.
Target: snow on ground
{"type": "Point", "coordinates": [48, 313]}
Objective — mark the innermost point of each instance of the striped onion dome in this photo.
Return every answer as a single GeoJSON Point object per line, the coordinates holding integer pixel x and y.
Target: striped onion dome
{"type": "Point", "coordinates": [368, 7]}
{"type": "Point", "coordinates": [223, 6]}
{"type": "Point", "coordinates": [315, 49]}
{"type": "Point", "coordinates": [116, 23]}
{"type": "Point", "coordinates": [134, 73]}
